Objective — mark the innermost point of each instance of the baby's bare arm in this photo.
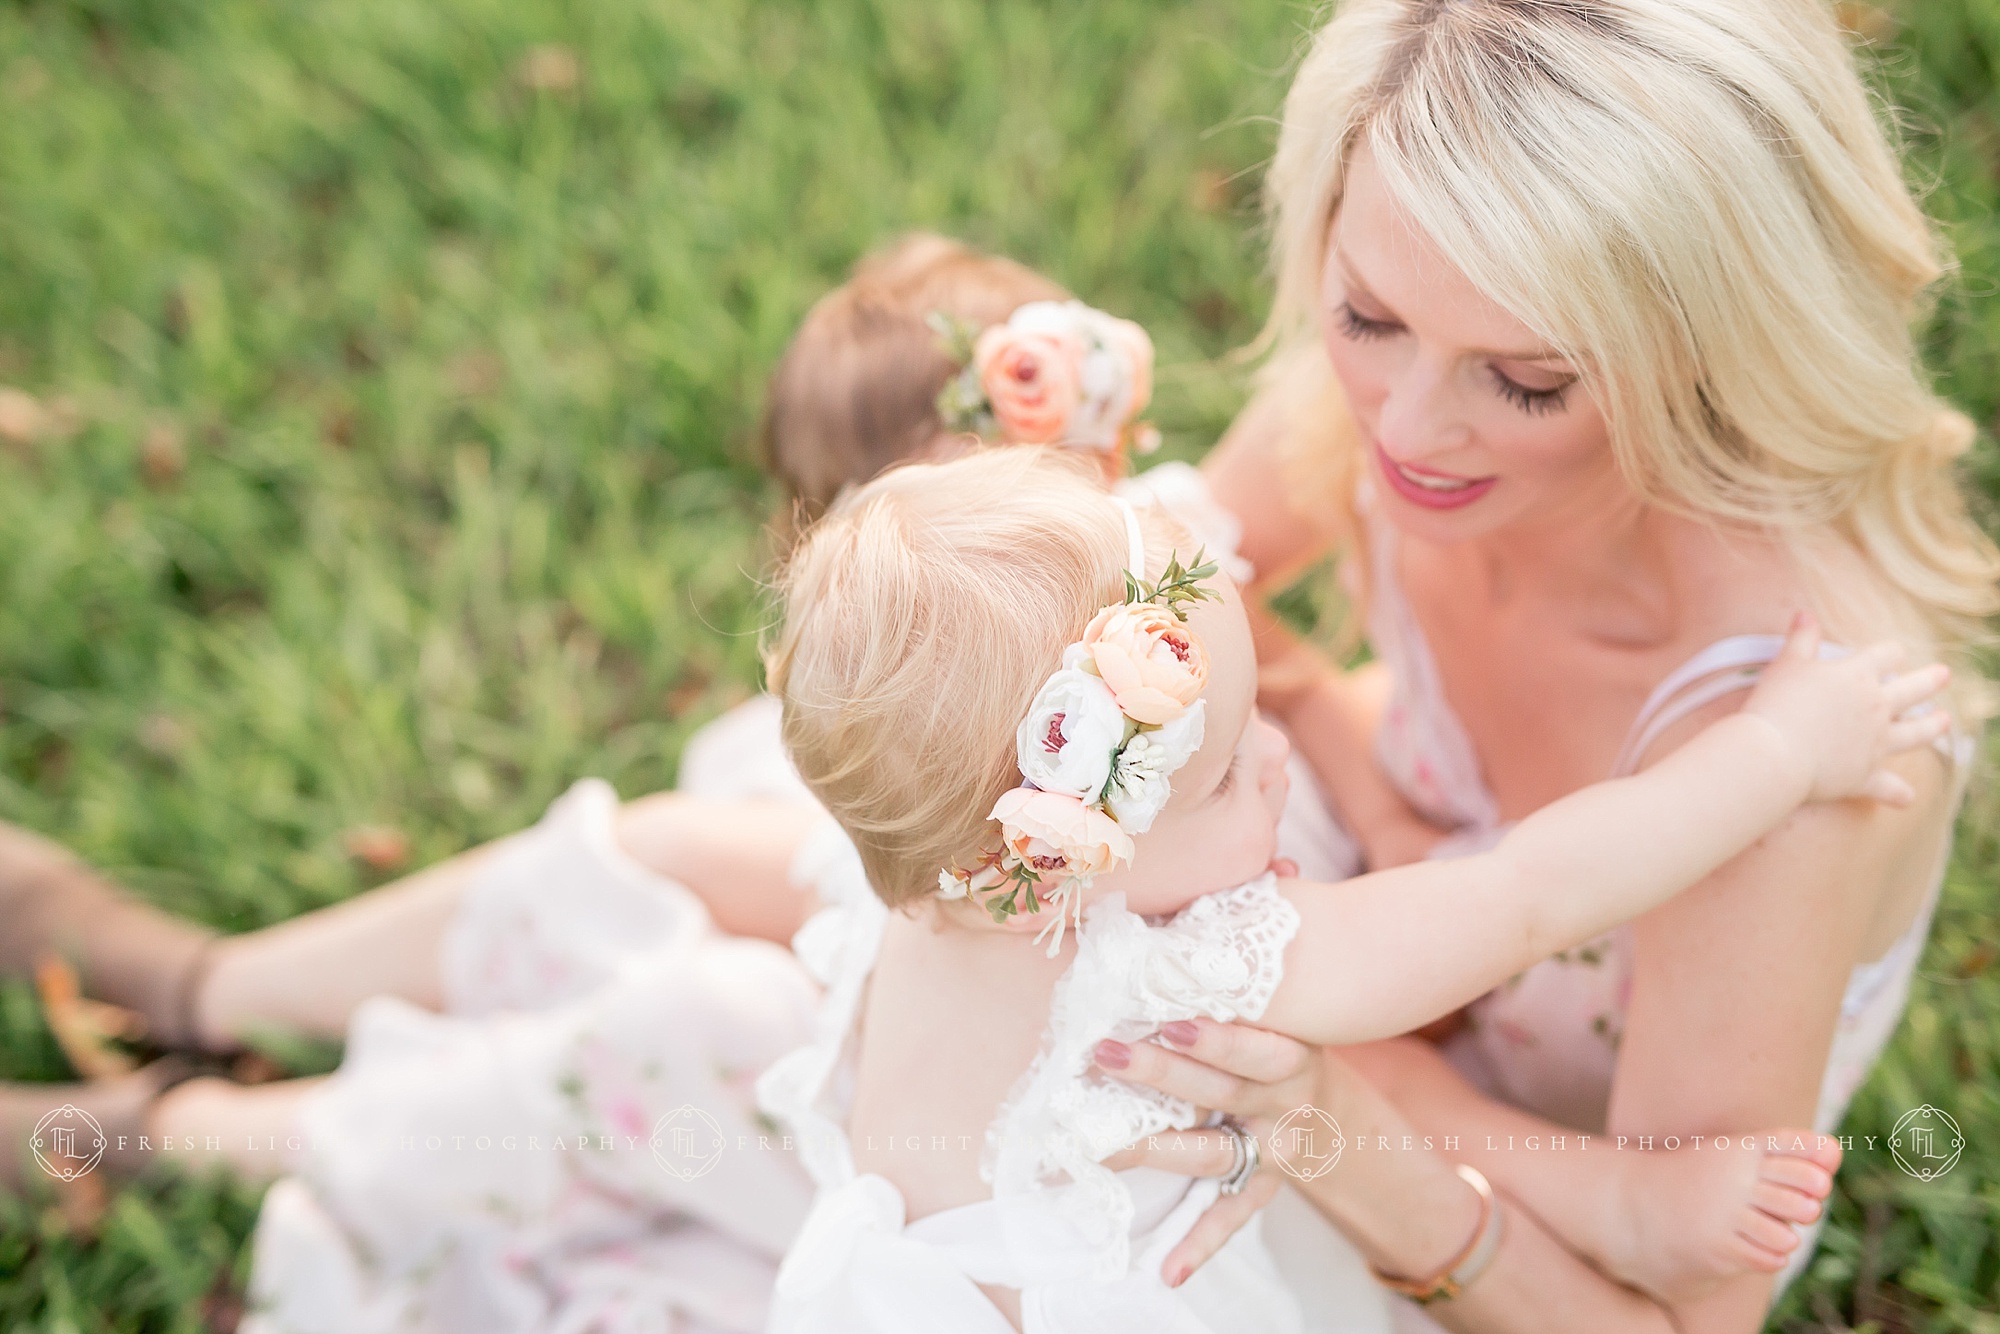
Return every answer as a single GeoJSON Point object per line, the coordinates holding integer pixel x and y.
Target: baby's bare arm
{"type": "Point", "coordinates": [1386, 952]}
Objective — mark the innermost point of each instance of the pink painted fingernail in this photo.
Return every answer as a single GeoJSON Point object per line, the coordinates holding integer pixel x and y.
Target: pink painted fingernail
{"type": "Point", "coordinates": [1181, 1032]}
{"type": "Point", "coordinates": [1113, 1055]}
{"type": "Point", "coordinates": [1178, 1277]}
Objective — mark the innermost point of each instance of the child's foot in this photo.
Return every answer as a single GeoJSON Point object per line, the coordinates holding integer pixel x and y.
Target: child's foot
{"type": "Point", "coordinates": [59, 1133]}
{"type": "Point", "coordinates": [123, 951]}
{"type": "Point", "coordinates": [1685, 1219]}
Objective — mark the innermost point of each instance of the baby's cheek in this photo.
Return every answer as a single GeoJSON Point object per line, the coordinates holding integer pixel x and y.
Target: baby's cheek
{"type": "Point", "coordinates": [1250, 841]}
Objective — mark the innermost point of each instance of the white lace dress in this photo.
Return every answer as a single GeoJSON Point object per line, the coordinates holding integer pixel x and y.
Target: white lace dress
{"type": "Point", "coordinates": [1083, 1245]}
{"type": "Point", "coordinates": [491, 1170]}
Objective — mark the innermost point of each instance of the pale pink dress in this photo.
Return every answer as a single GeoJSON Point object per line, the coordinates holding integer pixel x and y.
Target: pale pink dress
{"type": "Point", "coordinates": [1547, 1040]}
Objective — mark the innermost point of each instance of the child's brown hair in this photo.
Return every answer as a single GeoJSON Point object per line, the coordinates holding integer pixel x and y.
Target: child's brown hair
{"type": "Point", "coordinates": [856, 391]}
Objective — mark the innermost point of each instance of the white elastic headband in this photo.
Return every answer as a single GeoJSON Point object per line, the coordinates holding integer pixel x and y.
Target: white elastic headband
{"type": "Point", "coordinates": [1135, 541]}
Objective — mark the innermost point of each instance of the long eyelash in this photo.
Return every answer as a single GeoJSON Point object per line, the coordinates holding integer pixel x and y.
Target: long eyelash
{"type": "Point", "coordinates": [1357, 325]}
{"type": "Point", "coordinates": [1535, 402]}
{"type": "Point", "coordinates": [1228, 779]}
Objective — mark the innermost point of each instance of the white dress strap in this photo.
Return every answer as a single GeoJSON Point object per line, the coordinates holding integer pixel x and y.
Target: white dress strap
{"type": "Point", "coordinates": [1722, 669]}
{"type": "Point", "coordinates": [1733, 663]}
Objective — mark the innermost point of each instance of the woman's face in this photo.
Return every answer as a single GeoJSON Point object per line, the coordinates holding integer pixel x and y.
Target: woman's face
{"type": "Point", "coordinates": [1471, 422]}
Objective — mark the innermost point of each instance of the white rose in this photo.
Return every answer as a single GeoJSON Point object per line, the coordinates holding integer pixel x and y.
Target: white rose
{"type": "Point", "coordinates": [1055, 318]}
{"type": "Point", "coordinates": [1139, 779]}
{"type": "Point", "coordinates": [1105, 382]}
{"type": "Point", "coordinates": [1072, 731]}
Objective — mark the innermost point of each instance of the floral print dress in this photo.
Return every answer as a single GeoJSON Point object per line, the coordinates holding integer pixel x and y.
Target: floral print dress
{"type": "Point", "coordinates": [1547, 1039]}
{"type": "Point", "coordinates": [538, 1159]}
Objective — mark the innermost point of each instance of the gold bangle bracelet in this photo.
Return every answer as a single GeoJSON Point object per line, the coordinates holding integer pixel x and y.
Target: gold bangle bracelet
{"type": "Point", "coordinates": [1470, 1262]}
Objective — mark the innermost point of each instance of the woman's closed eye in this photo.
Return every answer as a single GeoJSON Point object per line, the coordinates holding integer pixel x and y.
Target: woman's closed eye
{"type": "Point", "coordinates": [1535, 402]}
{"type": "Point", "coordinates": [1357, 325]}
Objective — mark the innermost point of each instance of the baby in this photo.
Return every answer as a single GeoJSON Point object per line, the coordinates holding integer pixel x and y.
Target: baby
{"type": "Point", "coordinates": [1031, 707]}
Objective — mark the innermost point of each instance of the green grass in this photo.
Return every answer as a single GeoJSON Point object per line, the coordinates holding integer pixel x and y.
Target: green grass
{"type": "Point", "coordinates": [405, 392]}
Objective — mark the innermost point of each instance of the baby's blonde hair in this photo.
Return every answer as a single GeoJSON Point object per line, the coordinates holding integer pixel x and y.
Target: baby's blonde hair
{"type": "Point", "coordinates": [920, 616]}
{"type": "Point", "coordinates": [1694, 201]}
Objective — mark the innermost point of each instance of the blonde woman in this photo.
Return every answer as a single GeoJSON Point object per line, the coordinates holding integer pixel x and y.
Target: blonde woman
{"type": "Point", "coordinates": [1617, 294]}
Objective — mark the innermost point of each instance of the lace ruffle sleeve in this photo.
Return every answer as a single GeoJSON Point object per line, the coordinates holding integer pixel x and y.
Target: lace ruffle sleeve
{"type": "Point", "coordinates": [1221, 957]}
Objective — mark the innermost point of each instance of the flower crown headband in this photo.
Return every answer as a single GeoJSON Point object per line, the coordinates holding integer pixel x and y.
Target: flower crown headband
{"type": "Point", "coordinates": [1097, 748]}
{"type": "Point", "coordinates": [1056, 373]}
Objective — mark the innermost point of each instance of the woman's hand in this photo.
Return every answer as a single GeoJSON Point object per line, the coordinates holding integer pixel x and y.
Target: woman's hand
{"type": "Point", "coordinates": [1252, 1075]}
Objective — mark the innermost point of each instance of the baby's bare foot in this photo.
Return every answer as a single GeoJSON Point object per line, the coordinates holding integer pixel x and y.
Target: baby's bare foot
{"type": "Point", "coordinates": [1685, 1219]}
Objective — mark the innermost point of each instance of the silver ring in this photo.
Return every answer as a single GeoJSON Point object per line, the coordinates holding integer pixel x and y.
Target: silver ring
{"type": "Point", "coordinates": [1249, 1158]}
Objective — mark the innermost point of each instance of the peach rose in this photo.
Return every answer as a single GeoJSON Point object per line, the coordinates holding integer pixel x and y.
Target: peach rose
{"type": "Point", "coordinates": [1153, 663]}
{"type": "Point", "coordinates": [1058, 836]}
{"type": "Point", "coordinates": [1030, 380]}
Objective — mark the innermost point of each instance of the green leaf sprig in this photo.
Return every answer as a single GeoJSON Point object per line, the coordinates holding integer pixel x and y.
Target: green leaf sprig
{"type": "Point", "coordinates": [1177, 585]}
{"type": "Point", "coordinates": [1005, 899]}
{"type": "Point", "coordinates": [961, 404]}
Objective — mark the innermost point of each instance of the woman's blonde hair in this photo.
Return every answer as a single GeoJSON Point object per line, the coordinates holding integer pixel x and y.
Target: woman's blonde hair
{"type": "Point", "coordinates": [920, 616]}
{"type": "Point", "coordinates": [1694, 201]}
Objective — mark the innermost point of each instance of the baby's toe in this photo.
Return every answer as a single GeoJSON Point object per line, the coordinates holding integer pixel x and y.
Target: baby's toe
{"type": "Point", "coordinates": [1805, 1146]}
{"type": "Point", "coordinates": [1796, 1174]}
{"type": "Point", "coordinates": [1761, 1230]}
{"type": "Point", "coordinates": [1755, 1258]}
{"type": "Point", "coordinates": [1785, 1204]}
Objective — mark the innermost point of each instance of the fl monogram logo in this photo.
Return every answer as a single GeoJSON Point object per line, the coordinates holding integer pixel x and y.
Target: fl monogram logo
{"type": "Point", "coordinates": [68, 1143]}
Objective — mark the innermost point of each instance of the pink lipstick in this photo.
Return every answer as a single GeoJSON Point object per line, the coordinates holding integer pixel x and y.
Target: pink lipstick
{"type": "Point", "coordinates": [1432, 490]}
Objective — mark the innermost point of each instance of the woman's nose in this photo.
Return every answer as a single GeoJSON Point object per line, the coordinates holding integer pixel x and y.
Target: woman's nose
{"type": "Point", "coordinates": [1419, 416]}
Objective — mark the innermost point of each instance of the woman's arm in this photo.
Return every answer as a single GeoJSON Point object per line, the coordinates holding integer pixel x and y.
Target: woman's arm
{"type": "Point", "coordinates": [1782, 925]}
{"type": "Point", "coordinates": [1405, 1209]}
{"type": "Point", "coordinates": [1331, 717]}
{"type": "Point", "coordinates": [1599, 856]}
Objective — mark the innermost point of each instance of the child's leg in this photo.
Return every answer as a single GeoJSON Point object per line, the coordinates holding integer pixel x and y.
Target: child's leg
{"type": "Point", "coordinates": [206, 1124]}
{"type": "Point", "coordinates": [125, 951]}
{"type": "Point", "coordinates": [1671, 1222]}
{"type": "Point", "coordinates": [308, 974]}
{"type": "Point", "coordinates": [736, 856]}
